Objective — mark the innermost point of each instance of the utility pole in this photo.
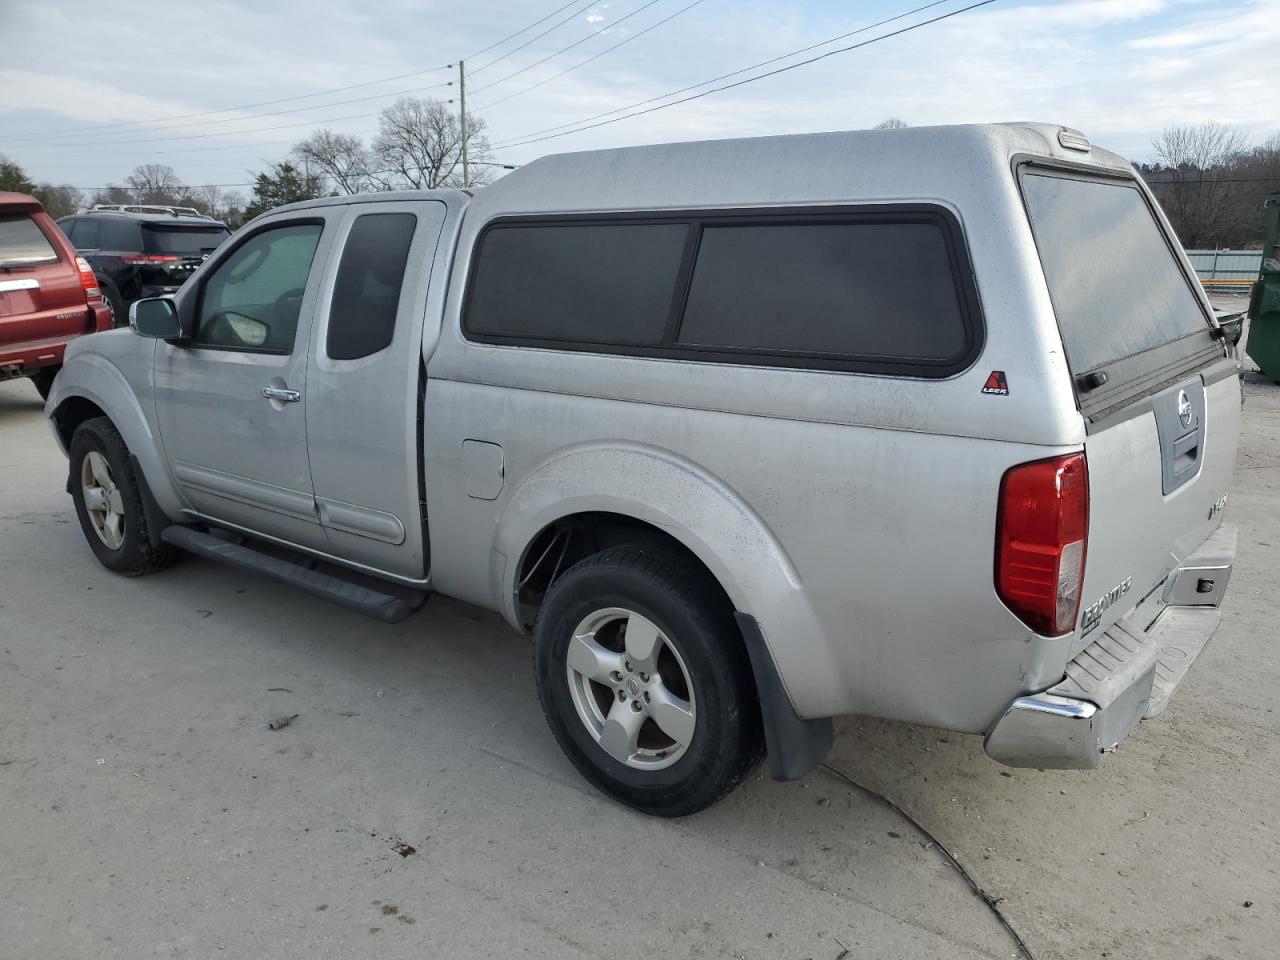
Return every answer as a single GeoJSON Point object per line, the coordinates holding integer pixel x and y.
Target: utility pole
{"type": "Point", "coordinates": [462, 98]}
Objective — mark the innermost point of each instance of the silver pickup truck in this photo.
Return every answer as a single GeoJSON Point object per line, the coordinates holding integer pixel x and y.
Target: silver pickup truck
{"type": "Point", "coordinates": [931, 424]}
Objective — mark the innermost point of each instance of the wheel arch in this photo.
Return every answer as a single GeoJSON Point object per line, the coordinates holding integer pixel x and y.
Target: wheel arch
{"type": "Point", "coordinates": [90, 386]}
{"type": "Point", "coordinates": [625, 488]}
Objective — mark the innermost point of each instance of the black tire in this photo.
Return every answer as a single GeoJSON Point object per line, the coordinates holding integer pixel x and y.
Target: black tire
{"type": "Point", "coordinates": [43, 379]}
{"type": "Point", "coordinates": [695, 618]}
{"type": "Point", "coordinates": [134, 555]}
{"type": "Point", "coordinates": [119, 310]}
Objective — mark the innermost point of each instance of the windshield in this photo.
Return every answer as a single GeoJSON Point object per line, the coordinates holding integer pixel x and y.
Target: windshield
{"type": "Point", "coordinates": [1116, 285]}
{"type": "Point", "coordinates": [183, 241]}
{"type": "Point", "coordinates": [23, 244]}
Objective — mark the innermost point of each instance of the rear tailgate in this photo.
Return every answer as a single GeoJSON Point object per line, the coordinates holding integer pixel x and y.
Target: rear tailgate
{"type": "Point", "coordinates": [1160, 399]}
{"type": "Point", "coordinates": [41, 297]}
{"type": "Point", "coordinates": [172, 252]}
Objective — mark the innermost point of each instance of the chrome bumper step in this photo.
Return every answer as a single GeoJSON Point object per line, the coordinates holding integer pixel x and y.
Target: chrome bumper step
{"type": "Point", "coordinates": [1127, 674]}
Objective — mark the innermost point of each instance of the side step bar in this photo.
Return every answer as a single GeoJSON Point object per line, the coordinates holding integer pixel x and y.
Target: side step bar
{"type": "Point", "coordinates": [353, 596]}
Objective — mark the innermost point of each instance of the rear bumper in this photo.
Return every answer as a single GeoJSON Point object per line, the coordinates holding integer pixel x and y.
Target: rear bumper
{"type": "Point", "coordinates": [1128, 674]}
{"type": "Point", "coordinates": [24, 359]}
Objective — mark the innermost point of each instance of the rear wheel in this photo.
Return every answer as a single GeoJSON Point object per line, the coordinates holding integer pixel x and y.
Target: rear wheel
{"type": "Point", "coordinates": [109, 502]}
{"type": "Point", "coordinates": [111, 296]}
{"type": "Point", "coordinates": [645, 682]}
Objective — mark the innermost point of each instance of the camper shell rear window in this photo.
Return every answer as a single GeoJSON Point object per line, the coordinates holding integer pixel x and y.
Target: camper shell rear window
{"type": "Point", "coordinates": [1126, 307]}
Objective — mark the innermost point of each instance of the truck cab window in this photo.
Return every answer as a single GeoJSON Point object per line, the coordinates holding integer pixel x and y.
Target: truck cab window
{"type": "Point", "coordinates": [251, 301]}
{"type": "Point", "coordinates": [366, 294]}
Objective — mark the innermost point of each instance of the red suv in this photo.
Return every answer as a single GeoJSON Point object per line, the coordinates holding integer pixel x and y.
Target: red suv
{"type": "Point", "coordinates": [48, 294]}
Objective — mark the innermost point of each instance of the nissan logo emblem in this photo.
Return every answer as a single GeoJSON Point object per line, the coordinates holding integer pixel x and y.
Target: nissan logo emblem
{"type": "Point", "coordinates": [1184, 408]}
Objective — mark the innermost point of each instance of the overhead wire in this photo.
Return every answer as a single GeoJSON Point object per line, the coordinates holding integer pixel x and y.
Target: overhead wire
{"type": "Point", "coordinates": [597, 56]}
{"type": "Point", "coordinates": [739, 83]}
{"type": "Point", "coordinates": [576, 43]}
{"type": "Point", "coordinates": [742, 70]}
{"type": "Point", "coordinates": [163, 121]}
{"type": "Point", "coordinates": [555, 26]}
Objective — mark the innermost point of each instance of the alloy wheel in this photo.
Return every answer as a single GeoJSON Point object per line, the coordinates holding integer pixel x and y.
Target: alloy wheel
{"type": "Point", "coordinates": [631, 689]}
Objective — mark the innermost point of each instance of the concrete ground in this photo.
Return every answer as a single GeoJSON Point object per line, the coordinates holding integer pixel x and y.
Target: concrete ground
{"type": "Point", "coordinates": [147, 810]}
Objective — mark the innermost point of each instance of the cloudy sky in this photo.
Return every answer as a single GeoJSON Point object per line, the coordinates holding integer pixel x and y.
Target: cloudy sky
{"type": "Point", "coordinates": [88, 90]}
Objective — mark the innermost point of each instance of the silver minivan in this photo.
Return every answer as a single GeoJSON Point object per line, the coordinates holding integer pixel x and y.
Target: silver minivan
{"type": "Point", "coordinates": [931, 424]}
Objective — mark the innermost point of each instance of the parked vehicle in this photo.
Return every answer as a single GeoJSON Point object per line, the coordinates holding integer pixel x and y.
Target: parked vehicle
{"type": "Point", "coordinates": [48, 294]}
{"type": "Point", "coordinates": [932, 424]}
{"type": "Point", "coordinates": [142, 250]}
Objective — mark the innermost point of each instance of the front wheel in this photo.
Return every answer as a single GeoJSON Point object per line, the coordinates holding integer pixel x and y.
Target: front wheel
{"type": "Point", "coordinates": [109, 502]}
{"type": "Point", "coordinates": [645, 682]}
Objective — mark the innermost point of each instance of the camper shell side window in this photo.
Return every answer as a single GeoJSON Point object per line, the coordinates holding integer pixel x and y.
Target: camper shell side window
{"type": "Point", "coordinates": [872, 289]}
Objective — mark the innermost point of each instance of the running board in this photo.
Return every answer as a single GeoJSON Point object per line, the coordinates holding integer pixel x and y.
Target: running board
{"type": "Point", "coordinates": [373, 603]}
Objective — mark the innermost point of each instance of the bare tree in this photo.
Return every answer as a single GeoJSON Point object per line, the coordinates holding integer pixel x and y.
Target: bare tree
{"type": "Point", "coordinates": [340, 157]}
{"type": "Point", "coordinates": [59, 200]}
{"type": "Point", "coordinates": [892, 123]}
{"type": "Point", "coordinates": [155, 183]}
{"type": "Point", "coordinates": [1194, 164]}
{"type": "Point", "coordinates": [112, 193]}
{"type": "Point", "coordinates": [419, 145]}
{"type": "Point", "coordinates": [207, 198]}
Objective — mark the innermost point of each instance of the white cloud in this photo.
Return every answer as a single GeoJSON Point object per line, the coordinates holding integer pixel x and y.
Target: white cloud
{"type": "Point", "coordinates": [1118, 69]}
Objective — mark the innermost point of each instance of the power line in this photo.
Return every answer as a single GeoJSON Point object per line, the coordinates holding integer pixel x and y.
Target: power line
{"type": "Point", "coordinates": [249, 106]}
{"type": "Point", "coordinates": [771, 73]}
{"type": "Point", "coordinates": [512, 36]}
{"type": "Point", "coordinates": [224, 133]}
{"type": "Point", "coordinates": [372, 173]}
{"type": "Point", "coordinates": [576, 43]}
{"type": "Point", "coordinates": [222, 146]}
{"type": "Point", "coordinates": [258, 116]}
{"type": "Point", "coordinates": [583, 63]}
{"type": "Point", "coordinates": [94, 128]}
{"type": "Point", "coordinates": [734, 73]}
{"type": "Point", "coordinates": [555, 26]}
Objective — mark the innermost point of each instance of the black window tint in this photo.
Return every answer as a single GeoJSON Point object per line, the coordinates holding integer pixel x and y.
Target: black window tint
{"type": "Point", "coordinates": [872, 289]}
{"type": "Point", "coordinates": [590, 283]}
{"type": "Point", "coordinates": [87, 233]}
{"type": "Point", "coordinates": [1115, 283]}
{"type": "Point", "coordinates": [68, 226]}
{"type": "Point", "coordinates": [182, 241]}
{"type": "Point", "coordinates": [366, 294]}
{"type": "Point", "coordinates": [118, 235]}
{"type": "Point", "coordinates": [253, 298]}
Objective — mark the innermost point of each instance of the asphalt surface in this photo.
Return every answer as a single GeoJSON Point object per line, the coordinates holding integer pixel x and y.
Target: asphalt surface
{"type": "Point", "coordinates": [148, 810]}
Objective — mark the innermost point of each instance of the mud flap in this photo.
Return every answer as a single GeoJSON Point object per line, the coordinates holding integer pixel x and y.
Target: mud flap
{"type": "Point", "coordinates": [795, 745]}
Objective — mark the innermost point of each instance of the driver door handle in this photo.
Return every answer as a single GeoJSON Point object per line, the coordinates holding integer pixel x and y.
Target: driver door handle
{"type": "Point", "coordinates": [281, 394]}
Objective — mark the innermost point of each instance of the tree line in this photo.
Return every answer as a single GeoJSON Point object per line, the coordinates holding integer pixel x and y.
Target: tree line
{"type": "Point", "coordinates": [418, 147]}
{"type": "Point", "coordinates": [1210, 181]}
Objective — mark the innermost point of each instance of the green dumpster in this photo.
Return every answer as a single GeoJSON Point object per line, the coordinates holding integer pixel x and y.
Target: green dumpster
{"type": "Point", "coordinates": [1264, 303]}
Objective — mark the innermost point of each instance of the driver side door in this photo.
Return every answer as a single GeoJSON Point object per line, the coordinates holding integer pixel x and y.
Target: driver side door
{"type": "Point", "coordinates": [230, 401]}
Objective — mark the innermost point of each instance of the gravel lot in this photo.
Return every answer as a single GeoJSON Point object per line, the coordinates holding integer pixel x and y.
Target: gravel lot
{"type": "Point", "coordinates": [148, 810]}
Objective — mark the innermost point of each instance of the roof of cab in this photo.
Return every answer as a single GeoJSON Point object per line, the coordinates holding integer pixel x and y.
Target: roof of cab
{"type": "Point", "coordinates": [388, 196]}
{"type": "Point", "coordinates": [792, 169]}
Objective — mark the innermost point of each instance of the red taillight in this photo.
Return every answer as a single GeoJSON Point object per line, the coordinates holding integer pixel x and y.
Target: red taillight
{"type": "Point", "coordinates": [88, 280]}
{"type": "Point", "coordinates": [148, 258]}
{"type": "Point", "coordinates": [1040, 537]}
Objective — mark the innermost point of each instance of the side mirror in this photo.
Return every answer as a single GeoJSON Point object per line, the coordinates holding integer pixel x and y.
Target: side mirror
{"type": "Point", "coordinates": [157, 318]}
